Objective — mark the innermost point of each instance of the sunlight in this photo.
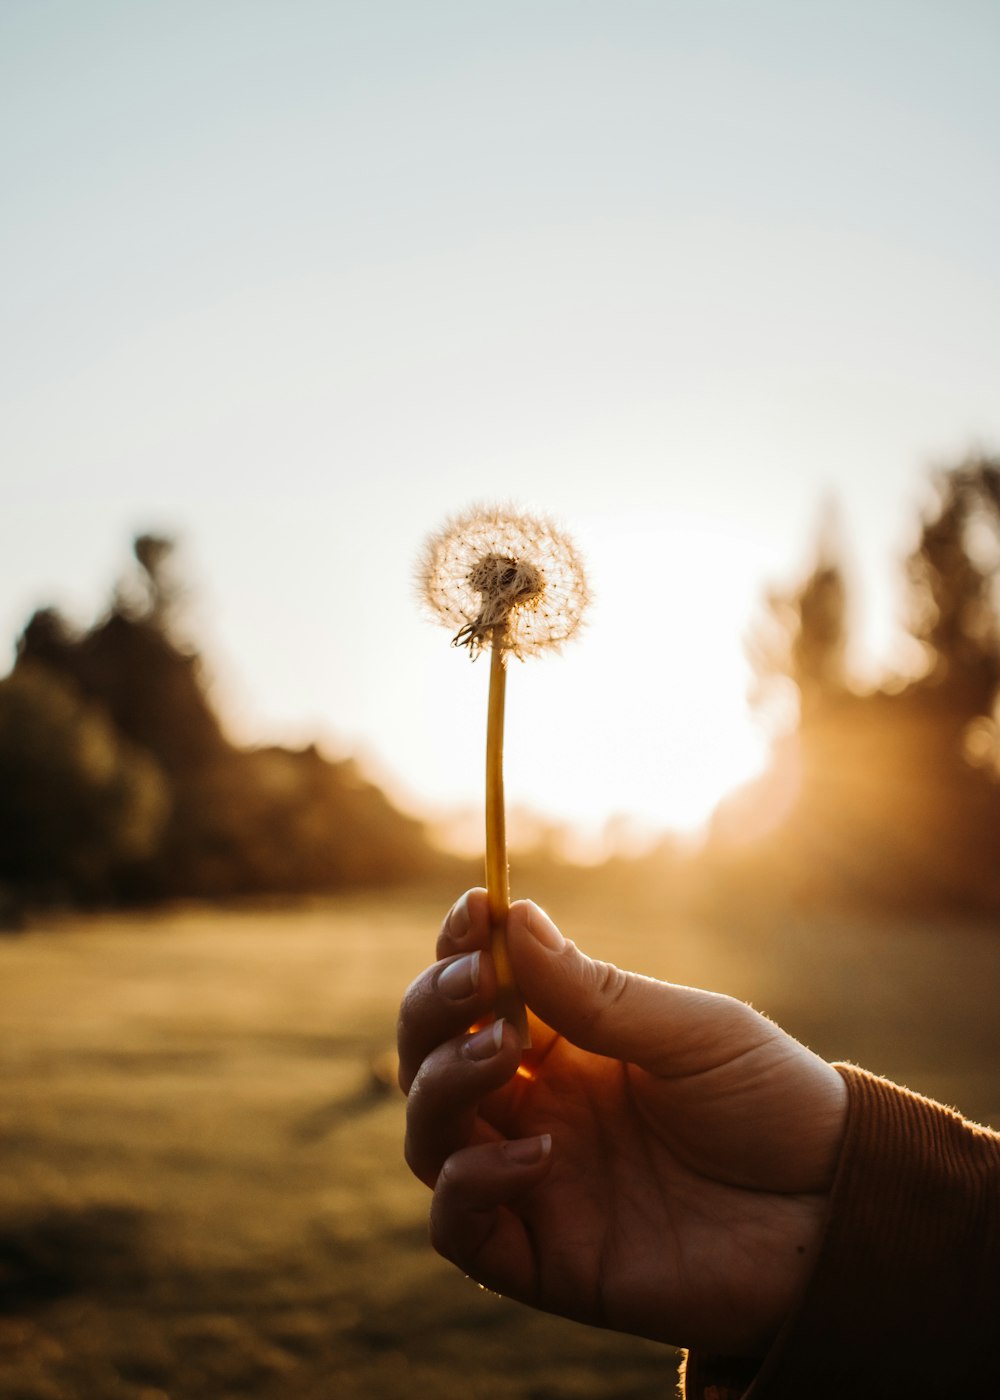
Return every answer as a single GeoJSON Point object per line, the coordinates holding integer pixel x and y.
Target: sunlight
{"type": "Point", "coordinates": [649, 726]}
{"type": "Point", "coordinates": [640, 727]}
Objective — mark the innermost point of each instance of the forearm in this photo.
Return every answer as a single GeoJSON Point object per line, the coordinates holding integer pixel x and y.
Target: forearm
{"type": "Point", "coordinates": [905, 1296]}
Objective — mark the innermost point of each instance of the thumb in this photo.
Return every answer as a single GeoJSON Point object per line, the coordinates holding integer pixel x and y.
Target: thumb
{"type": "Point", "coordinates": [664, 1028]}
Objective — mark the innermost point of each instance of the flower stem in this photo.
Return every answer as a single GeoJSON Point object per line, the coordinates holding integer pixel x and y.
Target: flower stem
{"type": "Point", "coordinates": [509, 1004]}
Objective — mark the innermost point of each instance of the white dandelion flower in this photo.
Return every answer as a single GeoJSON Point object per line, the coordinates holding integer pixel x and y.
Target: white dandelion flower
{"type": "Point", "coordinates": [513, 583]}
{"type": "Point", "coordinates": [495, 568]}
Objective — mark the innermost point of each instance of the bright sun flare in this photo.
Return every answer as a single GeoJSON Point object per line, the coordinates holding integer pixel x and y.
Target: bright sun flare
{"type": "Point", "coordinates": [643, 726]}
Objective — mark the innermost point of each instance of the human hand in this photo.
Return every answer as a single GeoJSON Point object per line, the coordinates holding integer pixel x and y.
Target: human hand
{"type": "Point", "coordinates": [660, 1163]}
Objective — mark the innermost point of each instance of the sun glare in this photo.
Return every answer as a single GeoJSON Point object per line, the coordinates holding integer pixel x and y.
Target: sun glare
{"type": "Point", "coordinates": [643, 726]}
{"type": "Point", "coordinates": [663, 765]}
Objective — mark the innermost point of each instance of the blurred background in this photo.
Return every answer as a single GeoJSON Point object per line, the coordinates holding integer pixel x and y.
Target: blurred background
{"type": "Point", "coordinates": [286, 286]}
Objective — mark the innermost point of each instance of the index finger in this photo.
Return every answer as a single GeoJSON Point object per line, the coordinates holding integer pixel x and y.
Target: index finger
{"type": "Point", "coordinates": [466, 925]}
{"type": "Point", "coordinates": [430, 1015]}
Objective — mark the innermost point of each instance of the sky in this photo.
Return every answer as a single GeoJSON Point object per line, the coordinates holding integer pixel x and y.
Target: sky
{"type": "Point", "coordinates": [295, 282]}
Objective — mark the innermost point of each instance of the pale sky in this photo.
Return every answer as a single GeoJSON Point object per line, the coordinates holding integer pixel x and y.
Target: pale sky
{"type": "Point", "coordinates": [297, 280]}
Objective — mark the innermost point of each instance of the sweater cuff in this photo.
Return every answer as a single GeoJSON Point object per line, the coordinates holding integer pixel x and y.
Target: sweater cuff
{"type": "Point", "coordinates": [904, 1296]}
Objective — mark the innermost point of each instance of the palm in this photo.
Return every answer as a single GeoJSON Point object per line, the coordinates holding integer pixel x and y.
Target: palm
{"type": "Point", "coordinates": [660, 1201]}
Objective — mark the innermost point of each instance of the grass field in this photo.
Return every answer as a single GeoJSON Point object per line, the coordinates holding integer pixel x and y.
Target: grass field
{"type": "Point", "coordinates": [203, 1193]}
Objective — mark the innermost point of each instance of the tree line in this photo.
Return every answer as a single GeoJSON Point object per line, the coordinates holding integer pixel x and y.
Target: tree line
{"type": "Point", "coordinates": [887, 794]}
{"type": "Point", "coordinates": [117, 782]}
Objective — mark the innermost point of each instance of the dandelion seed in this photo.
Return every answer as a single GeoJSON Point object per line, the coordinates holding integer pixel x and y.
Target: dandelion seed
{"type": "Point", "coordinates": [494, 565]}
{"type": "Point", "coordinates": [515, 584]}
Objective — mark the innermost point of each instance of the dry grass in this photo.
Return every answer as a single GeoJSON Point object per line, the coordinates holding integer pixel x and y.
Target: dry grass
{"type": "Point", "coordinates": [203, 1193]}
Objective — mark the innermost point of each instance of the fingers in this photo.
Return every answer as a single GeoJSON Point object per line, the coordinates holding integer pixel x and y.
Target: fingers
{"type": "Point", "coordinates": [440, 1004]}
{"type": "Point", "coordinates": [469, 1222]}
{"type": "Point", "coordinates": [451, 995]}
{"type": "Point", "coordinates": [446, 1091]}
{"type": "Point", "coordinates": [445, 1072]}
{"type": "Point", "coordinates": [668, 1030]}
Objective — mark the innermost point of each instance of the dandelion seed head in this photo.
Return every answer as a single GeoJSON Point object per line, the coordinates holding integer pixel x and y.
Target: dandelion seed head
{"type": "Point", "coordinates": [494, 567]}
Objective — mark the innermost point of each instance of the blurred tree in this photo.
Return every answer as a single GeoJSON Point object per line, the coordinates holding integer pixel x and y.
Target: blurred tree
{"type": "Point", "coordinates": [881, 801]}
{"type": "Point", "coordinates": [953, 575]}
{"type": "Point", "coordinates": [802, 635]}
{"type": "Point", "coordinates": [152, 688]}
{"type": "Point", "coordinates": [268, 820]}
{"type": "Point", "coordinates": [78, 802]}
{"type": "Point", "coordinates": [152, 588]}
{"type": "Point", "coordinates": [155, 553]}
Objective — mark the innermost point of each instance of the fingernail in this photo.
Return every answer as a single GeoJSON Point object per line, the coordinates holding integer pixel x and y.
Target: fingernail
{"type": "Point", "coordinates": [543, 929]}
{"type": "Point", "coordinates": [485, 1043]}
{"type": "Point", "coordinates": [459, 920]}
{"type": "Point", "coordinates": [525, 1151]}
{"type": "Point", "coordinates": [461, 978]}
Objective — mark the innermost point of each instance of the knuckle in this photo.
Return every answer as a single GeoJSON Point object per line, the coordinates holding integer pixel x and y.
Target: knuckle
{"type": "Point", "coordinates": [419, 1153]}
{"type": "Point", "coordinates": [608, 985]}
{"type": "Point", "coordinates": [409, 1005]}
{"type": "Point", "coordinates": [417, 1092]}
{"type": "Point", "coordinates": [447, 1235]}
{"type": "Point", "coordinates": [441, 1236]}
{"type": "Point", "coordinates": [612, 984]}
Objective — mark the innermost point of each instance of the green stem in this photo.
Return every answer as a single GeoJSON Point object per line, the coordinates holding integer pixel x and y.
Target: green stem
{"type": "Point", "coordinates": [509, 1004]}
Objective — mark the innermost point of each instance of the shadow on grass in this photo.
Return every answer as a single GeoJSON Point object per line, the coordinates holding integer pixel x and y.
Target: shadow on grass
{"type": "Point", "coordinates": [90, 1307]}
{"type": "Point", "coordinates": [89, 1249]}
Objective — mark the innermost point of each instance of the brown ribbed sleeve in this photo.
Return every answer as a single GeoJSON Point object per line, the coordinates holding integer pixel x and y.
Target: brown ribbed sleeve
{"type": "Point", "coordinates": [905, 1298]}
